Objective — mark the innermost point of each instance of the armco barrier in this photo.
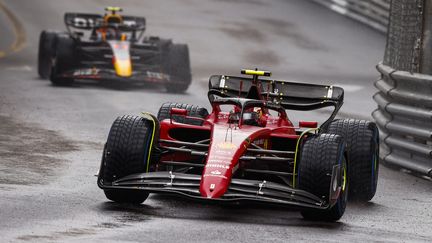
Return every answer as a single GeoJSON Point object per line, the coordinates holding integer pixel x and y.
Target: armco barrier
{"type": "Point", "coordinates": [404, 117]}
{"type": "Point", "coordinates": [371, 12]}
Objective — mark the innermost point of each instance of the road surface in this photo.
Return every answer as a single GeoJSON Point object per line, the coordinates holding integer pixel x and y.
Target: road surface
{"type": "Point", "coordinates": [51, 138]}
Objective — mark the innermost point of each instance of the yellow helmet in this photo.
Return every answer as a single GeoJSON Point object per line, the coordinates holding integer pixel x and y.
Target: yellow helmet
{"type": "Point", "coordinates": [112, 17]}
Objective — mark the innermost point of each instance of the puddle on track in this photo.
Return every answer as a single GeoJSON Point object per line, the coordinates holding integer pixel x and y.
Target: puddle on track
{"type": "Point", "coordinates": [30, 154]}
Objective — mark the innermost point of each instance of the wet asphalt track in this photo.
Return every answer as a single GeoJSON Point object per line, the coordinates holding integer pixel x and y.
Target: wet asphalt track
{"type": "Point", "coordinates": [51, 137]}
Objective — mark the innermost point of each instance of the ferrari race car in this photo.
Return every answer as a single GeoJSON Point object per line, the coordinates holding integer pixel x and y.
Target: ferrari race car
{"type": "Point", "coordinates": [112, 46]}
{"type": "Point", "coordinates": [246, 149]}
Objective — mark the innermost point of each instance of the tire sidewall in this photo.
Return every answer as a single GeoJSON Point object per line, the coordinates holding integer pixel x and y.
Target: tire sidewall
{"type": "Point", "coordinates": [315, 170]}
{"type": "Point", "coordinates": [46, 52]}
{"type": "Point", "coordinates": [119, 147]}
{"type": "Point", "coordinates": [177, 65]}
{"type": "Point", "coordinates": [64, 59]}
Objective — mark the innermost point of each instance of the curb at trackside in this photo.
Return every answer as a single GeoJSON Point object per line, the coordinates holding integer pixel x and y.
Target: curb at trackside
{"type": "Point", "coordinates": [18, 29]}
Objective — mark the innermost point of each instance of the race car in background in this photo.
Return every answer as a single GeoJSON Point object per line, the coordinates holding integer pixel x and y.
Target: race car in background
{"type": "Point", "coordinates": [111, 46]}
{"type": "Point", "coordinates": [246, 149]}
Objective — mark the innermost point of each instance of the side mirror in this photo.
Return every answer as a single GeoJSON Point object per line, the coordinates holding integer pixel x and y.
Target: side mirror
{"type": "Point", "coordinates": [178, 111]}
{"type": "Point", "coordinates": [308, 124]}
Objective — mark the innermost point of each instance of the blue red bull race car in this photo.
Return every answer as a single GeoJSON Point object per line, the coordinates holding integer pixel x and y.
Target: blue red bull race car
{"type": "Point", "coordinates": [112, 46]}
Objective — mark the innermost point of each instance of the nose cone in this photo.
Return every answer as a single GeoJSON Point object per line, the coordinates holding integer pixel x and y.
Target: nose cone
{"type": "Point", "coordinates": [214, 185]}
{"type": "Point", "coordinates": [121, 58]}
{"type": "Point", "coordinates": [123, 68]}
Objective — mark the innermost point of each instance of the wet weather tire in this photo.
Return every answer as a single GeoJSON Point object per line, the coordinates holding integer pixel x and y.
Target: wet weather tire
{"type": "Point", "coordinates": [362, 138]}
{"type": "Point", "coordinates": [128, 149]}
{"type": "Point", "coordinates": [193, 110]}
{"type": "Point", "coordinates": [318, 155]}
{"type": "Point", "coordinates": [46, 53]}
{"type": "Point", "coordinates": [64, 60]}
{"type": "Point", "coordinates": [178, 67]}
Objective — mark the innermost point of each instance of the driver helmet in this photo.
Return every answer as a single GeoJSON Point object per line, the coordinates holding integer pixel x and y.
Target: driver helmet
{"type": "Point", "coordinates": [112, 18]}
{"type": "Point", "coordinates": [251, 118]}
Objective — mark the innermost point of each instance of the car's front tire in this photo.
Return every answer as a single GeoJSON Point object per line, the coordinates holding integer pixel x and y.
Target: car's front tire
{"type": "Point", "coordinates": [128, 151]}
{"type": "Point", "coordinates": [318, 155]}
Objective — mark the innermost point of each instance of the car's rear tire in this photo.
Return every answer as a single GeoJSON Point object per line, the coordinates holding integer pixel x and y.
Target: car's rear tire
{"type": "Point", "coordinates": [128, 151]}
{"type": "Point", "coordinates": [178, 67]}
{"type": "Point", "coordinates": [192, 110]}
{"type": "Point", "coordinates": [64, 60]}
{"type": "Point", "coordinates": [318, 155]}
{"type": "Point", "coordinates": [46, 53]}
{"type": "Point", "coordinates": [362, 138]}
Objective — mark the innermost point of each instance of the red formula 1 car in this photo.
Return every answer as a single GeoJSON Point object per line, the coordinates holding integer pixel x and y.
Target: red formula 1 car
{"type": "Point", "coordinates": [246, 149]}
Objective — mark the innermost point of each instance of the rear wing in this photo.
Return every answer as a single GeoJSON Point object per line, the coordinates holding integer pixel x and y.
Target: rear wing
{"type": "Point", "coordinates": [85, 21]}
{"type": "Point", "coordinates": [290, 95]}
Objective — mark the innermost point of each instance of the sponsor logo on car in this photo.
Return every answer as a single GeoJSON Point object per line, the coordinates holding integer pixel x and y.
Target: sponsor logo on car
{"type": "Point", "coordinates": [219, 160]}
{"type": "Point", "coordinates": [155, 75]}
{"type": "Point", "coordinates": [219, 176]}
{"type": "Point", "coordinates": [217, 166]}
{"type": "Point", "coordinates": [86, 72]}
{"type": "Point", "coordinates": [227, 145]}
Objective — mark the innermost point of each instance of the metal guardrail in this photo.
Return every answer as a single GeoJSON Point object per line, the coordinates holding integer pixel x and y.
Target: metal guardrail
{"type": "Point", "coordinates": [404, 98]}
{"type": "Point", "coordinates": [404, 117]}
{"type": "Point", "coordinates": [374, 13]}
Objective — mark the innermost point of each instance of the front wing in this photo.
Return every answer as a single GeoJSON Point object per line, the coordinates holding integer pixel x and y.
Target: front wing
{"type": "Point", "coordinates": [239, 190]}
{"type": "Point", "coordinates": [109, 74]}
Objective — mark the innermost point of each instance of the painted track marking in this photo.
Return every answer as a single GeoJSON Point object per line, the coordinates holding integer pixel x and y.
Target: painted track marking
{"type": "Point", "coordinates": [19, 31]}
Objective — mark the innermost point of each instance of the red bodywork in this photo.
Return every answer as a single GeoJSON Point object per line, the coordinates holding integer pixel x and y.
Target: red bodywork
{"type": "Point", "coordinates": [245, 153]}
{"type": "Point", "coordinates": [228, 142]}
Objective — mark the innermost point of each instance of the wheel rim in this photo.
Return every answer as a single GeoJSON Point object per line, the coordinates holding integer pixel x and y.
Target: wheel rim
{"type": "Point", "coordinates": [341, 203]}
